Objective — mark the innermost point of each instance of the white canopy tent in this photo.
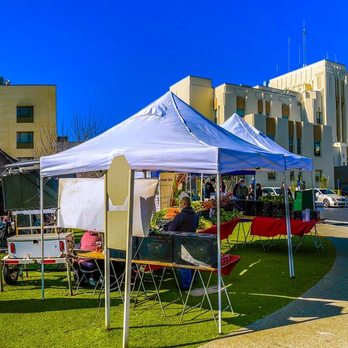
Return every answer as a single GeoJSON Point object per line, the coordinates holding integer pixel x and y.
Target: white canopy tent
{"type": "Point", "coordinates": [243, 130]}
{"type": "Point", "coordinates": [167, 135]}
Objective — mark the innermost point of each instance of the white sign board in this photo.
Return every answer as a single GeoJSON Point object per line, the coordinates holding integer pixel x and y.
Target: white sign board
{"type": "Point", "coordinates": [81, 204]}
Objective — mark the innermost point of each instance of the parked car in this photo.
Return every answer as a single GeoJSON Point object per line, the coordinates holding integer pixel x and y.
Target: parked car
{"type": "Point", "coordinates": [329, 198]}
{"type": "Point", "coordinates": [272, 191]}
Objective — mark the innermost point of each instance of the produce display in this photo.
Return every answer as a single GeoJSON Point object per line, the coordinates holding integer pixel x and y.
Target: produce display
{"type": "Point", "coordinates": [205, 210]}
{"type": "Point", "coordinates": [171, 213]}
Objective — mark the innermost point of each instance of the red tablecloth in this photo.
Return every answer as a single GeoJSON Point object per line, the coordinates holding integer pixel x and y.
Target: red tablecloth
{"type": "Point", "coordinates": [225, 229]}
{"type": "Point", "coordinates": [271, 227]}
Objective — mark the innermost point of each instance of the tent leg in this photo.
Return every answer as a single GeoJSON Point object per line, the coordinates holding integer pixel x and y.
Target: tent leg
{"type": "Point", "coordinates": [202, 199]}
{"type": "Point", "coordinates": [107, 260]}
{"type": "Point", "coordinates": [218, 247]}
{"type": "Point", "coordinates": [128, 263]}
{"type": "Point", "coordinates": [313, 195]}
{"type": "Point", "coordinates": [42, 241]}
{"type": "Point", "coordinates": [288, 229]}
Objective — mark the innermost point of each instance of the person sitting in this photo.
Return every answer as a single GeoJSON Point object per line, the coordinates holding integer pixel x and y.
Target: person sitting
{"type": "Point", "coordinates": [186, 220]}
{"type": "Point", "coordinates": [91, 241]}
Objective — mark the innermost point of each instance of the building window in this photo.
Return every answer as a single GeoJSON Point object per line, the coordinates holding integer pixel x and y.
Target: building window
{"type": "Point", "coordinates": [317, 148]}
{"type": "Point", "coordinates": [260, 106]}
{"type": "Point", "coordinates": [285, 110]}
{"type": "Point", "coordinates": [292, 176]}
{"type": "Point", "coordinates": [25, 114]}
{"type": "Point", "coordinates": [298, 143]}
{"type": "Point", "coordinates": [240, 106]}
{"type": "Point", "coordinates": [25, 140]}
{"type": "Point", "coordinates": [271, 175]}
{"type": "Point", "coordinates": [291, 144]}
{"type": "Point", "coordinates": [268, 107]}
{"type": "Point", "coordinates": [318, 117]}
{"type": "Point", "coordinates": [270, 127]}
{"type": "Point", "coordinates": [318, 175]}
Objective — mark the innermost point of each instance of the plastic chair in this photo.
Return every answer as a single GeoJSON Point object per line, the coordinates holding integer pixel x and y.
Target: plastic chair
{"type": "Point", "coordinates": [86, 270]}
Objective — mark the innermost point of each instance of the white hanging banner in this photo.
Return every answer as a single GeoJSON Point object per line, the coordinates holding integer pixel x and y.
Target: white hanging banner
{"type": "Point", "coordinates": [81, 204]}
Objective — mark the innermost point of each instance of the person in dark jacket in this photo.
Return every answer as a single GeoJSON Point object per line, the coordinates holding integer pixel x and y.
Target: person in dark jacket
{"type": "Point", "coordinates": [186, 220]}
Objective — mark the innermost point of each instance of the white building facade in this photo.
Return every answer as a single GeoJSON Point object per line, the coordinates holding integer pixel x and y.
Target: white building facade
{"type": "Point", "coordinates": [304, 113]}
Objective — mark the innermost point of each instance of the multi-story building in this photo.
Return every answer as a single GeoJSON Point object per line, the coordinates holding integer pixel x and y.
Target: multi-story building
{"type": "Point", "coordinates": [324, 90]}
{"type": "Point", "coordinates": [28, 119]}
{"type": "Point", "coordinates": [279, 113]}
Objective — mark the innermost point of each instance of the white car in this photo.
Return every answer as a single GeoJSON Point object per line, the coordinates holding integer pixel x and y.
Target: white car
{"type": "Point", "coordinates": [272, 191]}
{"type": "Point", "coordinates": [329, 198]}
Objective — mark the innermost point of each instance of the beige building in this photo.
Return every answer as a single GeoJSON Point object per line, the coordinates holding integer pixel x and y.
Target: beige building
{"type": "Point", "coordinates": [324, 90]}
{"type": "Point", "coordinates": [287, 116]}
{"type": "Point", "coordinates": [28, 119]}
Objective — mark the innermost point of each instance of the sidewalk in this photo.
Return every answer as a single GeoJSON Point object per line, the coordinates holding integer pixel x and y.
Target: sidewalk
{"type": "Point", "coordinates": [319, 318]}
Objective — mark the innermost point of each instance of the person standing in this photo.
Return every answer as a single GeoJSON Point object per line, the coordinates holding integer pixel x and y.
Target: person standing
{"type": "Point", "coordinates": [209, 189]}
{"type": "Point", "coordinates": [258, 191]}
{"type": "Point", "coordinates": [242, 190]}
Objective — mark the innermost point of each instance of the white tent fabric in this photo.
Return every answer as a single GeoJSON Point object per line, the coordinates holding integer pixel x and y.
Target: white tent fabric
{"type": "Point", "coordinates": [166, 135]}
{"type": "Point", "coordinates": [242, 129]}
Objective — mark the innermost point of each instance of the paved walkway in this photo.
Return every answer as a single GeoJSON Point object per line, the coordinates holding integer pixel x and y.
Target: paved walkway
{"type": "Point", "coordinates": [319, 318]}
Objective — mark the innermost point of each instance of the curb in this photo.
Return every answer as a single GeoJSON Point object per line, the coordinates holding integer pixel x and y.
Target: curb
{"type": "Point", "coordinates": [334, 222]}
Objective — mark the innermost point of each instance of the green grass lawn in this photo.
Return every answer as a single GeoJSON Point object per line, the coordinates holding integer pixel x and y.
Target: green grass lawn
{"type": "Point", "coordinates": [259, 286]}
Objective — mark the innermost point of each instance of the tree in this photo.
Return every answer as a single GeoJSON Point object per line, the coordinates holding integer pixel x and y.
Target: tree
{"type": "Point", "coordinates": [323, 181]}
{"type": "Point", "coordinates": [85, 127]}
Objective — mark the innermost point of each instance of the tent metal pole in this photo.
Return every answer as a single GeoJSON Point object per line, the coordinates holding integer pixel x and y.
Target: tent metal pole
{"type": "Point", "coordinates": [42, 240]}
{"type": "Point", "coordinates": [202, 199]}
{"type": "Point", "coordinates": [190, 183]}
{"type": "Point", "coordinates": [288, 228]}
{"type": "Point", "coordinates": [128, 262]}
{"type": "Point", "coordinates": [107, 257]}
{"type": "Point", "coordinates": [218, 246]}
{"type": "Point", "coordinates": [313, 195]}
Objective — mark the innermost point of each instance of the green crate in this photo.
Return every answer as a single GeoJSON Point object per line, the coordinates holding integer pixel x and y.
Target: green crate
{"type": "Point", "coordinates": [197, 249]}
{"type": "Point", "coordinates": [157, 247]}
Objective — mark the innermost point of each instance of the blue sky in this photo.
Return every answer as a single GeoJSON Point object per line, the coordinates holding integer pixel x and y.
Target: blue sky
{"type": "Point", "coordinates": [111, 58]}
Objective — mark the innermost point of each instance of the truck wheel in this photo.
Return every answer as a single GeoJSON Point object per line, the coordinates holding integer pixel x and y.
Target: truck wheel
{"type": "Point", "coordinates": [10, 275]}
{"type": "Point", "coordinates": [326, 203]}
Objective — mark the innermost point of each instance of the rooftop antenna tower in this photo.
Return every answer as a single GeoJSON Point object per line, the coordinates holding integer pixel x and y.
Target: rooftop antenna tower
{"type": "Point", "coordinates": [304, 35]}
{"type": "Point", "coordinates": [288, 53]}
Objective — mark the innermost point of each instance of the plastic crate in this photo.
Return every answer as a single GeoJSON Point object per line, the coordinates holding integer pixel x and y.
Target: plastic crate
{"type": "Point", "coordinates": [196, 249]}
{"type": "Point", "coordinates": [121, 254]}
{"type": "Point", "coordinates": [157, 247]}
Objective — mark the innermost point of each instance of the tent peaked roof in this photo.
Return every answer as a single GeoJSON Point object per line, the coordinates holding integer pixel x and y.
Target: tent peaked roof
{"type": "Point", "coordinates": [166, 135]}
{"type": "Point", "coordinates": [239, 127]}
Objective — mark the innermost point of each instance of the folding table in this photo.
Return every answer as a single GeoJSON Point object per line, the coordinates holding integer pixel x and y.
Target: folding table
{"type": "Point", "coordinates": [228, 262]}
{"type": "Point", "coordinates": [271, 227]}
{"type": "Point", "coordinates": [226, 229]}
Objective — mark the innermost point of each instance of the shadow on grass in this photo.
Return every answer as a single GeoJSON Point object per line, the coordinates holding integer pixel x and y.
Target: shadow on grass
{"type": "Point", "coordinates": [51, 304]}
{"type": "Point", "coordinates": [326, 299]}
